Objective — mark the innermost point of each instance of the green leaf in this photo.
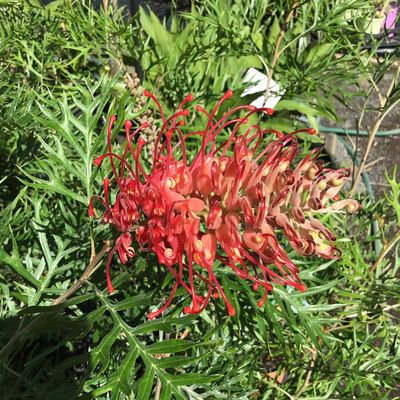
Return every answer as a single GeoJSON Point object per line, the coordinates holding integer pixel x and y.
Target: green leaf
{"type": "Point", "coordinates": [274, 32]}
{"type": "Point", "coordinates": [319, 52]}
{"type": "Point", "coordinates": [152, 26]}
{"type": "Point", "coordinates": [163, 324]}
{"type": "Point", "coordinates": [146, 384]}
{"type": "Point", "coordinates": [178, 361]}
{"type": "Point", "coordinates": [295, 105]}
{"type": "Point", "coordinates": [166, 393]}
{"type": "Point", "coordinates": [258, 39]}
{"type": "Point", "coordinates": [42, 309]}
{"type": "Point", "coordinates": [101, 354]}
{"type": "Point", "coordinates": [123, 376]}
{"type": "Point", "coordinates": [170, 346]}
{"type": "Point", "coordinates": [132, 302]}
{"type": "Point", "coordinates": [195, 379]}
{"type": "Point", "coordinates": [14, 262]}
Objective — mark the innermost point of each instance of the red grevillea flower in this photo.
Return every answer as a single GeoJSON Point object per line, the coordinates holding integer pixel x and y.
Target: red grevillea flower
{"type": "Point", "coordinates": [227, 203]}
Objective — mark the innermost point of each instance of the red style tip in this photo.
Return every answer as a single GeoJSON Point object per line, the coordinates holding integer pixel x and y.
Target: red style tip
{"type": "Point", "coordinates": [106, 184]}
{"type": "Point", "coordinates": [261, 302]}
{"type": "Point", "coordinates": [228, 94]}
{"type": "Point", "coordinates": [113, 118]}
{"type": "Point", "coordinates": [146, 93]}
{"type": "Point", "coordinates": [128, 124]}
{"type": "Point", "coordinates": [90, 210]}
{"type": "Point", "coordinates": [312, 131]}
{"type": "Point", "coordinates": [110, 288]}
{"type": "Point", "coordinates": [97, 161]}
{"type": "Point", "coordinates": [231, 310]}
{"type": "Point", "coordinates": [269, 111]}
{"type": "Point", "coordinates": [152, 315]}
{"type": "Point", "coordinates": [189, 97]}
{"type": "Point", "coordinates": [301, 287]}
{"type": "Point", "coordinates": [195, 309]}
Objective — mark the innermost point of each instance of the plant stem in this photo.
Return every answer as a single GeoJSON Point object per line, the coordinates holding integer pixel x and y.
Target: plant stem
{"type": "Point", "coordinates": [385, 251]}
{"type": "Point", "coordinates": [105, 6]}
{"type": "Point", "coordinates": [277, 52]}
{"type": "Point", "coordinates": [90, 269]}
{"type": "Point", "coordinates": [157, 391]}
{"type": "Point", "coordinates": [381, 115]}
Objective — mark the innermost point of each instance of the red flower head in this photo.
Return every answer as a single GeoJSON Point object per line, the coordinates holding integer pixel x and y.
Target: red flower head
{"type": "Point", "coordinates": [227, 203]}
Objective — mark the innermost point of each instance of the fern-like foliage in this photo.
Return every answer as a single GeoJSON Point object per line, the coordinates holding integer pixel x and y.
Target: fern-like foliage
{"type": "Point", "coordinates": [337, 340]}
{"type": "Point", "coordinates": [73, 138]}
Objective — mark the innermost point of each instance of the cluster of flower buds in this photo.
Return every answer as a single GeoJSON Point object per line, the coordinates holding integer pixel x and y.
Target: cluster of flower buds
{"type": "Point", "coordinates": [225, 205]}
